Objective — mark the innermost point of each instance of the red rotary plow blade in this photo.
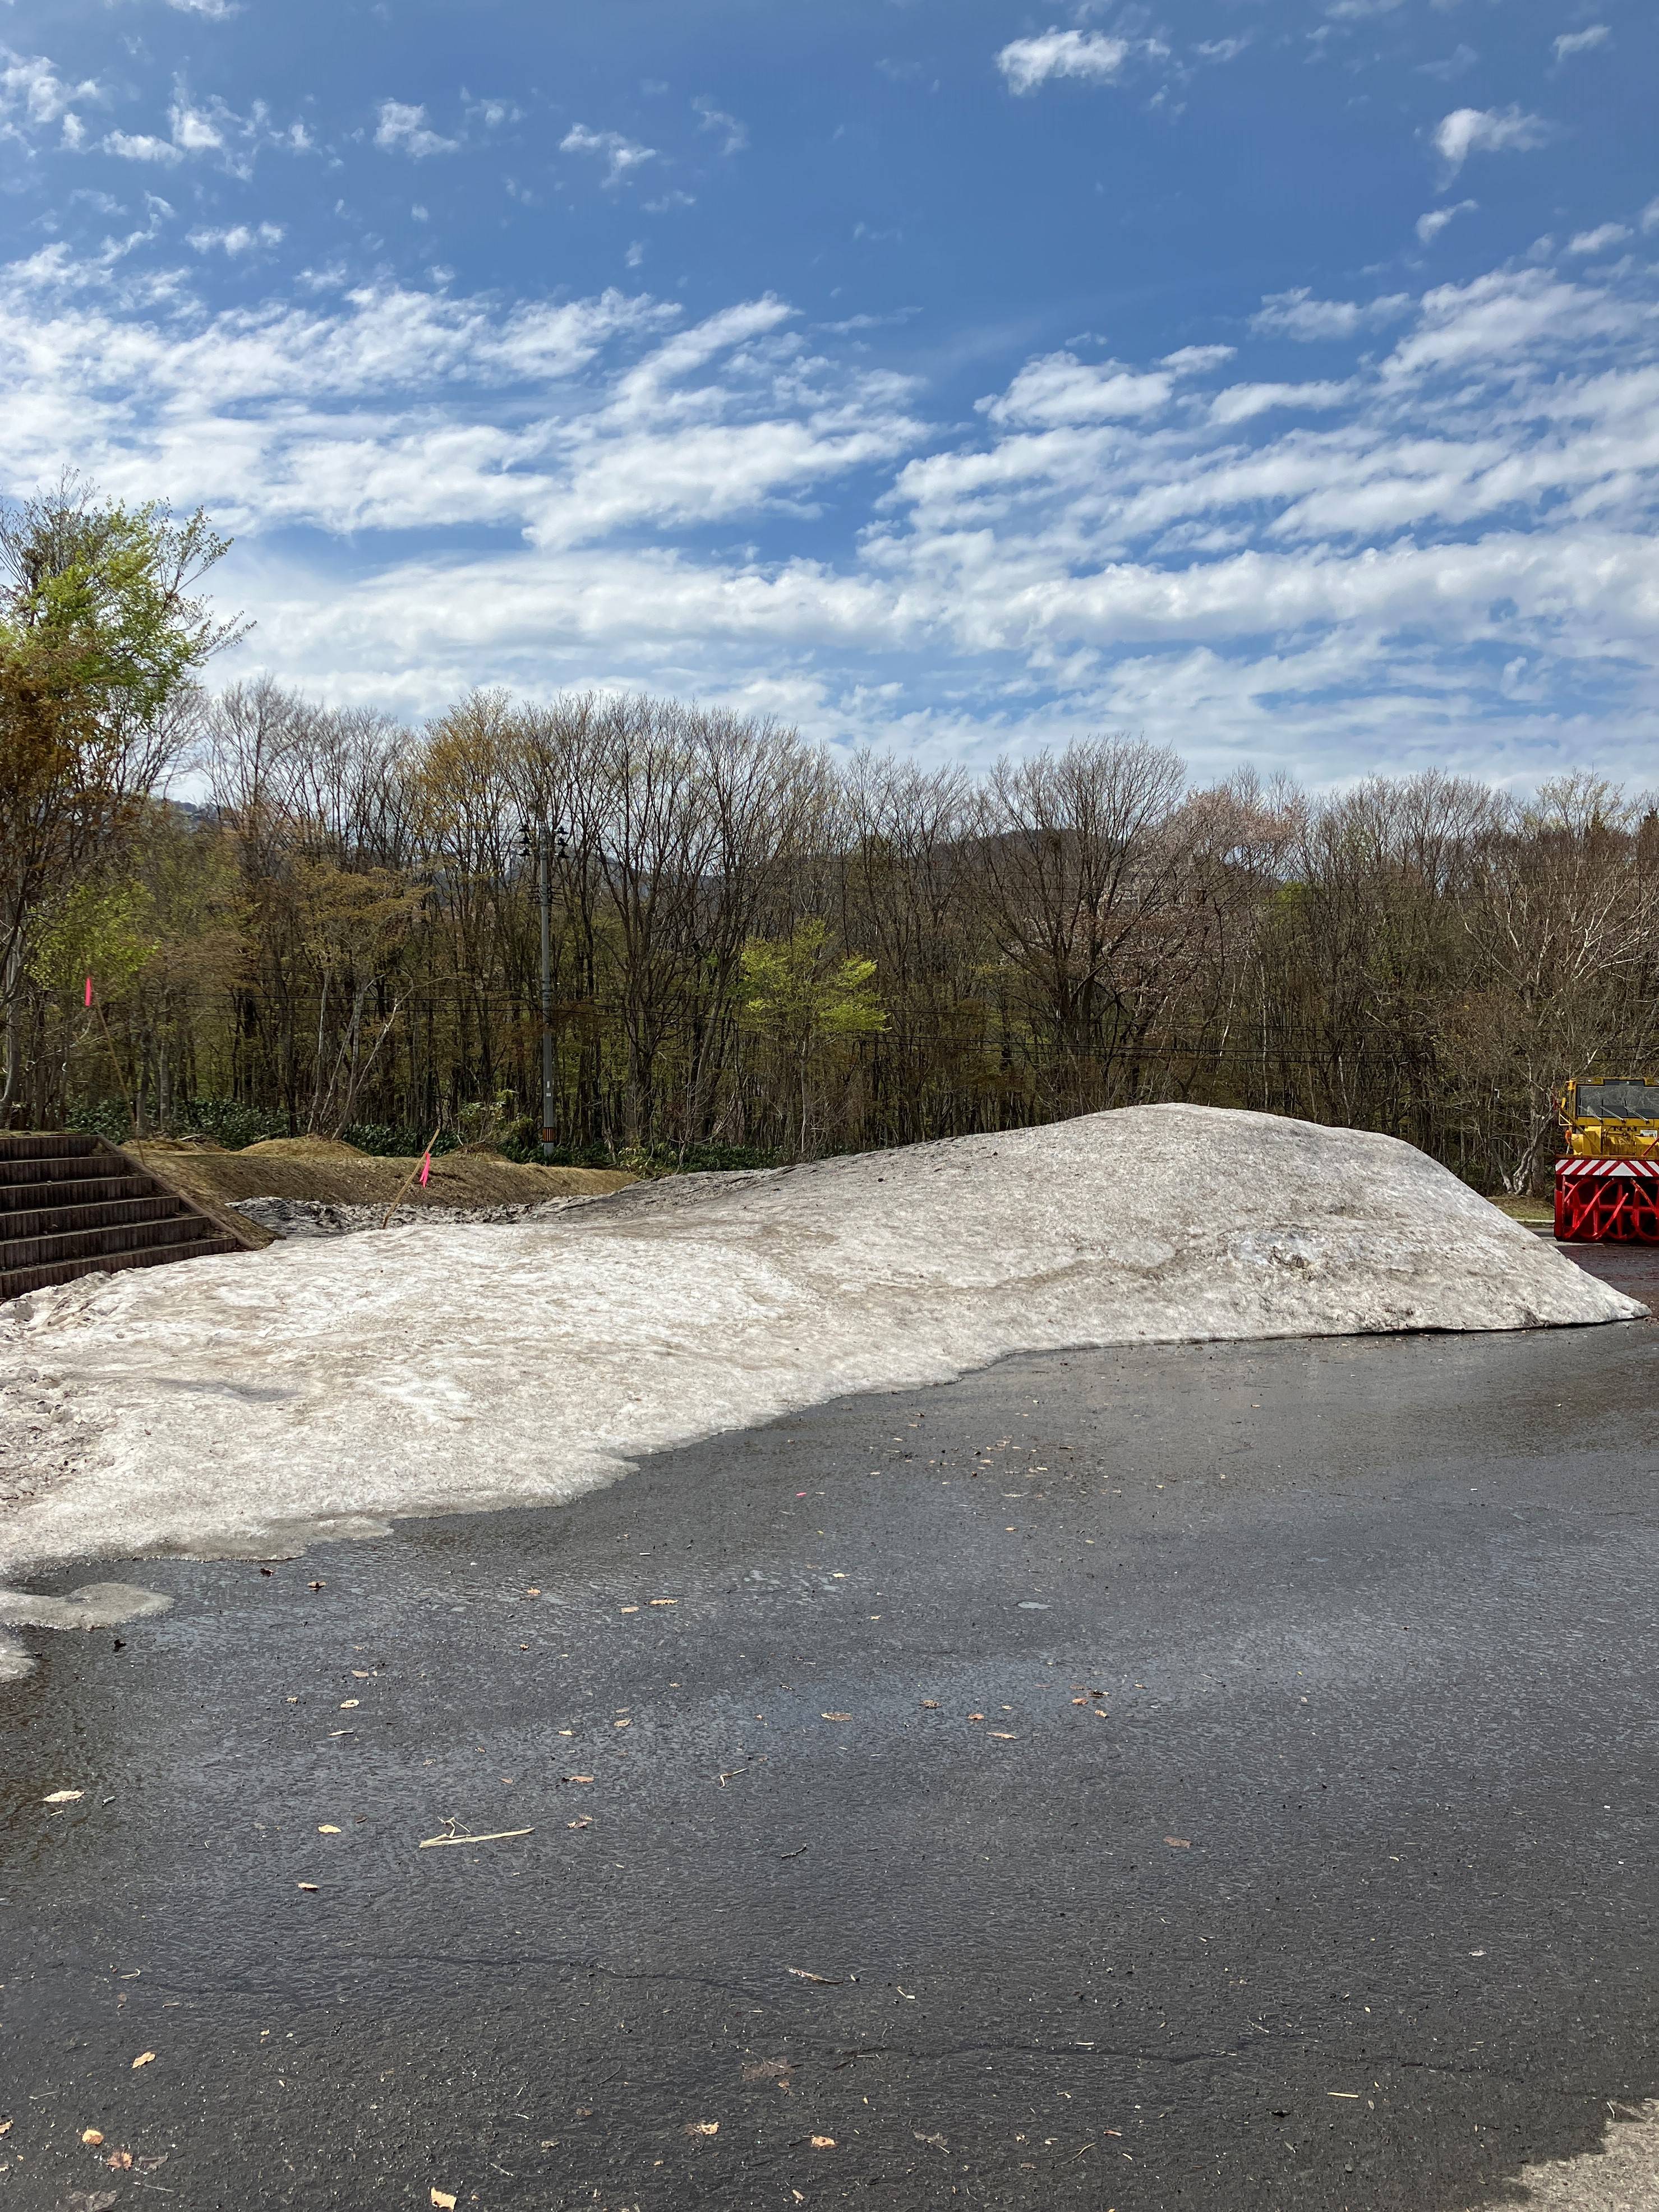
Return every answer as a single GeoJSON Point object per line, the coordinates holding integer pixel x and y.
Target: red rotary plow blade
{"type": "Point", "coordinates": [1607, 1202]}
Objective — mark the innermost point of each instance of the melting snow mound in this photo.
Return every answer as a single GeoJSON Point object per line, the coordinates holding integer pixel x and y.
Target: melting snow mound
{"type": "Point", "coordinates": [243, 1404]}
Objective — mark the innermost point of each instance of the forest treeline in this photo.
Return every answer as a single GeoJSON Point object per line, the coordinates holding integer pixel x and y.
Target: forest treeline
{"type": "Point", "coordinates": [761, 949]}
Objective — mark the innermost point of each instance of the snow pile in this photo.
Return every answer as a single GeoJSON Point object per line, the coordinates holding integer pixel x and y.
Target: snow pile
{"type": "Point", "coordinates": [244, 1404]}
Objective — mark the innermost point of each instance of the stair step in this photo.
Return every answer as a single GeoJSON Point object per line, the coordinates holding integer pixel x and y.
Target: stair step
{"type": "Point", "coordinates": [17, 1282]}
{"type": "Point", "coordinates": [77, 1220]}
{"type": "Point", "coordinates": [94, 1245]}
{"type": "Point", "coordinates": [17, 1168]}
{"type": "Point", "coordinates": [45, 1144]}
{"type": "Point", "coordinates": [17, 1198]}
{"type": "Point", "coordinates": [71, 1205]}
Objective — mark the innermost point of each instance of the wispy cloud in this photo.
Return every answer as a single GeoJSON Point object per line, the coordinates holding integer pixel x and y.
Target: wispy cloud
{"type": "Point", "coordinates": [1581, 42]}
{"type": "Point", "coordinates": [33, 97]}
{"type": "Point", "coordinates": [142, 146]}
{"type": "Point", "coordinates": [1468, 131]}
{"type": "Point", "coordinates": [1298, 314]}
{"type": "Point", "coordinates": [402, 128]}
{"type": "Point", "coordinates": [1599, 239]}
{"type": "Point", "coordinates": [1429, 226]}
{"type": "Point", "coordinates": [1025, 63]}
{"type": "Point", "coordinates": [1307, 571]}
{"type": "Point", "coordinates": [733, 135]}
{"type": "Point", "coordinates": [622, 156]}
{"type": "Point", "coordinates": [239, 238]}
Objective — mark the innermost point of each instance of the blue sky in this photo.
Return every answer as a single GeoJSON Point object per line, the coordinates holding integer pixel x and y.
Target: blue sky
{"type": "Point", "coordinates": [1279, 380]}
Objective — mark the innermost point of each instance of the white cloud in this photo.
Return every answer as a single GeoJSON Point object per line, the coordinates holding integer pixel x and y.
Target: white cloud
{"type": "Point", "coordinates": [240, 238]}
{"type": "Point", "coordinates": [140, 147]}
{"type": "Point", "coordinates": [1468, 131]}
{"type": "Point", "coordinates": [402, 128]}
{"type": "Point", "coordinates": [734, 135]}
{"type": "Point", "coordinates": [1320, 575]}
{"type": "Point", "coordinates": [1580, 42]}
{"type": "Point", "coordinates": [1429, 226]}
{"type": "Point", "coordinates": [1060, 388]}
{"type": "Point", "coordinates": [217, 11]}
{"type": "Point", "coordinates": [492, 113]}
{"type": "Point", "coordinates": [1298, 315]}
{"type": "Point", "coordinates": [1196, 360]}
{"type": "Point", "coordinates": [1455, 64]}
{"type": "Point", "coordinates": [194, 132]}
{"type": "Point", "coordinates": [1239, 402]}
{"type": "Point", "coordinates": [1222, 50]}
{"type": "Point", "coordinates": [1598, 241]}
{"type": "Point", "coordinates": [32, 91]}
{"type": "Point", "coordinates": [1028, 63]}
{"type": "Point", "coordinates": [621, 156]}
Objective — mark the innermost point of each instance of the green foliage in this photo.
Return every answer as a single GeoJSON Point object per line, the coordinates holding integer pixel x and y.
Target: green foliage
{"type": "Point", "coordinates": [792, 990]}
{"type": "Point", "coordinates": [109, 1118]}
{"type": "Point", "coordinates": [389, 1140]}
{"type": "Point", "coordinates": [96, 595]}
{"type": "Point", "coordinates": [230, 1122]}
{"type": "Point", "coordinates": [102, 930]}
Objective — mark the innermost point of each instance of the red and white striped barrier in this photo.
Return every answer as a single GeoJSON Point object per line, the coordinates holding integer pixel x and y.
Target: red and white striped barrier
{"type": "Point", "coordinates": [1614, 1201]}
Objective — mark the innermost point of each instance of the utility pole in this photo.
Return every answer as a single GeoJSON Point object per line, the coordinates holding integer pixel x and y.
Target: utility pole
{"type": "Point", "coordinates": [545, 842]}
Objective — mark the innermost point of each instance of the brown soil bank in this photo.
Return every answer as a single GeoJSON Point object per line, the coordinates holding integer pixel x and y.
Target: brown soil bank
{"type": "Point", "coordinates": [320, 1167]}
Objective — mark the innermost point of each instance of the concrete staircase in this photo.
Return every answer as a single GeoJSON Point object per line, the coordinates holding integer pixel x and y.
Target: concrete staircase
{"type": "Point", "coordinates": [73, 1206]}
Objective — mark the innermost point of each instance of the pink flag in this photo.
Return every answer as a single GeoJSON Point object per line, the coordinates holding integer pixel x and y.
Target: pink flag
{"type": "Point", "coordinates": [88, 990]}
{"type": "Point", "coordinates": [426, 1167]}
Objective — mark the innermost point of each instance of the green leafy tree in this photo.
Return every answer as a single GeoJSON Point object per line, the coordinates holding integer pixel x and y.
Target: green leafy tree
{"type": "Point", "coordinates": [805, 999]}
{"type": "Point", "coordinates": [100, 640]}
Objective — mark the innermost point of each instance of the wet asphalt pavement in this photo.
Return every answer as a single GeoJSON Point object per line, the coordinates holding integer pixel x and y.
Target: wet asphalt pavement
{"type": "Point", "coordinates": [1214, 1777]}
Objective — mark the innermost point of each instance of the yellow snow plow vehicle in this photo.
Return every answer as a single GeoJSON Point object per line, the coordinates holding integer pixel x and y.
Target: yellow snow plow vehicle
{"type": "Point", "coordinates": [1607, 1187]}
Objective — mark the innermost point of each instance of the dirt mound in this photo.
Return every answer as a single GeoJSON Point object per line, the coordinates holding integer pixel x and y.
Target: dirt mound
{"type": "Point", "coordinates": [303, 1148]}
{"type": "Point", "coordinates": [339, 1174]}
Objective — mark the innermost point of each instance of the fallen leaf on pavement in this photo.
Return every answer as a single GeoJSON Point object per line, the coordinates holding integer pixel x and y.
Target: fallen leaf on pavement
{"type": "Point", "coordinates": [801, 1975]}
{"type": "Point", "coordinates": [628, 1608]}
{"type": "Point", "coordinates": [976, 1716]}
{"type": "Point", "coordinates": [304, 1885]}
{"type": "Point", "coordinates": [930, 1704]}
{"type": "Point", "coordinates": [933, 2142]}
{"type": "Point", "coordinates": [5, 2127]}
{"type": "Point", "coordinates": [586, 1821]}
{"type": "Point", "coordinates": [93, 2135]}
{"type": "Point", "coordinates": [145, 2058]}
{"type": "Point", "coordinates": [119, 2161]}
{"type": "Point", "coordinates": [822, 2142]}
{"type": "Point", "coordinates": [350, 1704]}
{"type": "Point", "coordinates": [622, 1723]}
{"type": "Point", "coordinates": [575, 1777]}
{"type": "Point", "coordinates": [63, 1797]}
{"type": "Point", "coordinates": [1179, 1843]}
{"type": "Point", "coordinates": [444, 2201]}
{"type": "Point", "coordinates": [703, 2127]}
{"type": "Point", "coordinates": [532, 1592]}
{"type": "Point", "coordinates": [834, 1716]}
{"type": "Point", "coordinates": [665, 1601]}
{"type": "Point", "coordinates": [1002, 1735]}
{"type": "Point", "coordinates": [326, 1828]}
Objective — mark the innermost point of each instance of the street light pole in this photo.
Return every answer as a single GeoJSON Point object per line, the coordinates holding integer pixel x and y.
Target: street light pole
{"type": "Point", "coordinates": [545, 842]}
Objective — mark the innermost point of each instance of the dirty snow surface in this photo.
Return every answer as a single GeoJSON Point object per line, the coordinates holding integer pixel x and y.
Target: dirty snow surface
{"type": "Point", "coordinates": [240, 1405]}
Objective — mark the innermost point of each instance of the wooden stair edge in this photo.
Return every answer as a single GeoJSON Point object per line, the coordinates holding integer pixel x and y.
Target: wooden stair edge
{"type": "Point", "coordinates": [223, 1219]}
{"type": "Point", "coordinates": [23, 1282]}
